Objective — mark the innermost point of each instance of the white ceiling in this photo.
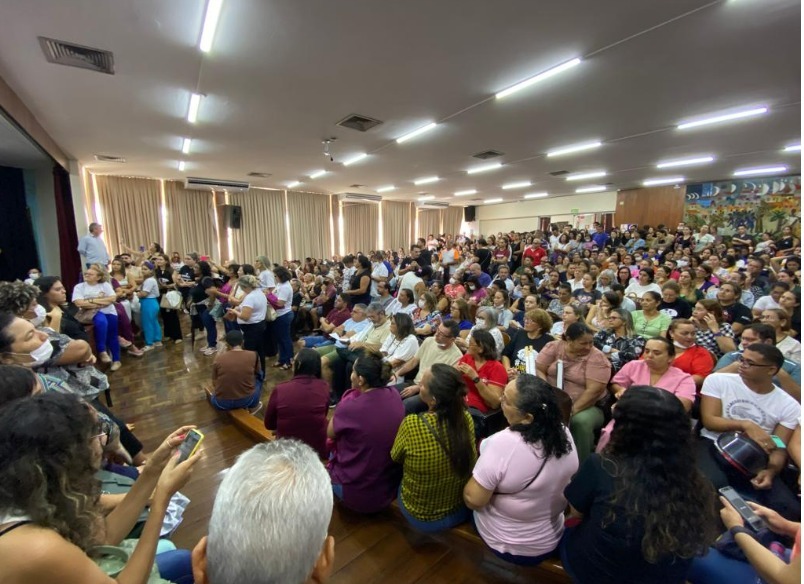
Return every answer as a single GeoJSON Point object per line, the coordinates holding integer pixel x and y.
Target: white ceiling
{"type": "Point", "coordinates": [281, 73]}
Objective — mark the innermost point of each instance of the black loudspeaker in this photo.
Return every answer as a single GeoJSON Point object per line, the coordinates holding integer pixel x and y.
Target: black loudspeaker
{"type": "Point", "coordinates": [232, 215]}
{"type": "Point", "coordinates": [469, 214]}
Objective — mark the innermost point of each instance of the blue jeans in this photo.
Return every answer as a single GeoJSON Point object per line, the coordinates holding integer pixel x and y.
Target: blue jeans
{"type": "Point", "coordinates": [230, 325]}
{"type": "Point", "coordinates": [238, 404]}
{"type": "Point", "coordinates": [562, 548]}
{"type": "Point", "coordinates": [106, 334]}
{"type": "Point", "coordinates": [316, 341]}
{"type": "Point", "coordinates": [175, 566]}
{"type": "Point", "coordinates": [456, 518]}
{"type": "Point", "coordinates": [337, 490]}
{"type": "Point", "coordinates": [149, 313]}
{"type": "Point", "coordinates": [209, 325]}
{"type": "Point", "coordinates": [715, 568]}
{"type": "Point", "coordinates": [281, 331]}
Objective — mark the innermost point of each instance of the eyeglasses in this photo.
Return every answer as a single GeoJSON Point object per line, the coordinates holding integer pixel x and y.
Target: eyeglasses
{"type": "Point", "coordinates": [747, 363]}
{"type": "Point", "coordinates": [103, 430]}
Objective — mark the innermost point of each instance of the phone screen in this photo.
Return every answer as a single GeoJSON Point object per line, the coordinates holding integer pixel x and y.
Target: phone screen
{"type": "Point", "coordinates": [778, 441]}
{"type": "Point", "coordinates": [751, 518]}
{"type": "Point", "coordinates": [190, 444]}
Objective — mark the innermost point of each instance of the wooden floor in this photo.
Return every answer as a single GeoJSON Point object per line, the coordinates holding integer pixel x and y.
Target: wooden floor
{"type": "Point", "coordinates": [163, 390]}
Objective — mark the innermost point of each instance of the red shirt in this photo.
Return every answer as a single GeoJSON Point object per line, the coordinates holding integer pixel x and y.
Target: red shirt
{"type": "Point", "coordinates": [695, 361]}
{"type": "Point", "coordinates": [338, 317]}
{"type": "Point", "coordinates": [492, 373]}
{"type": "Point", "coordinates": [298, 409]}
{"type": "Point", "coordinates": [535, 254]}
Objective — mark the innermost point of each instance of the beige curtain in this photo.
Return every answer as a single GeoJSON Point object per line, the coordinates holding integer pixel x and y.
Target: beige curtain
{"type": "Point", "coordinates": [191, 221]}
{"type": "Point", "coordinates": [360, 226]}
{"type": "Point", "coordinates": [262, 227]}
{"type": "Point", "coordinates": [309, 225]}
{"type": "Point", "coordinates": [429, 222]}
{"type": "Point", "coordinates": [396, 221]}
{"type": "Point", "coordinates": [453, 217]}
{"type": "Point", "coordinates": [131, 209]}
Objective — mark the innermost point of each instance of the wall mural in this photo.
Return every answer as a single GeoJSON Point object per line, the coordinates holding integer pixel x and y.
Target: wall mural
{"type": "Point", "coordinates": [762, 204]}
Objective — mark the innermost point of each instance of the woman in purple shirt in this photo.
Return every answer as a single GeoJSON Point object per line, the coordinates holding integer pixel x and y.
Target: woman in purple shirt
{"type": "Point", "coordinates": [365, 424]}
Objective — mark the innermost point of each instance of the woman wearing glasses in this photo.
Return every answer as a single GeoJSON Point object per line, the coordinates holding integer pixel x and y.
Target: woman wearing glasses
{"type": "Point", "coordinates": [617, 340]}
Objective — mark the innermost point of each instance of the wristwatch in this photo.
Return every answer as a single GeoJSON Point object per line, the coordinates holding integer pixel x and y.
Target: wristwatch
{"type": "Point", "coordinates": [741, 529]}
{"type": "Point", "coordinates": [476, 380]}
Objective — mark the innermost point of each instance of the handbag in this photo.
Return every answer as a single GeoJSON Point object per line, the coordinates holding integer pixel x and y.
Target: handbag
{"type": "Point", "coordinates": [270, 314]}
{"type": "Point", "coordinates": [85, 315]}
{"type": "Point", "coordinates": [171, 300]}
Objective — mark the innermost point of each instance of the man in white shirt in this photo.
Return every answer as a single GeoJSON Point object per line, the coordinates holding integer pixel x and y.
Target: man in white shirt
{"type": "Point", "coordinates": [91, 246]}
{"type": "Point", "coordinates": [379, 273]}
{"type": "Point", "coordinates": [750, 403]}
{"type": "Point", "coordinates": [771, 300]}
{"type": "Point", "coordinates": [504, 274]}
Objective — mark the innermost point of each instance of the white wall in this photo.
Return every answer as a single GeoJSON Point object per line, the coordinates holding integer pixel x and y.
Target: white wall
{"type": "Point", "coordinates": [42, 203]}
{"type": "Point", "coordinates": [524, 215]}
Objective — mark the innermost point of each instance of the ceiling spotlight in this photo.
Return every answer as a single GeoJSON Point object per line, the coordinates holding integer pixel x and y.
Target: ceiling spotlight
{"type": "Point", "coordinates": [356, 158]}
{"type": "Point", "coordinates": [185, 145]}
{"type": "Point", "coordinates": [294, 184]}
{"type": "Point", "coordinates": [585, 175]}
{"type": "Point", "coordinates": [591, 189]}
{"type": "Point", "coordinates": [415, 133]}
{"type": "Point", "coordinates": [318, 173]}
{"type": "Point", "coordinates": [723, 118]}
{"type": "Point", "coordinates": [536, 195]}
{"type": "Point", "coordinates": [685, 162]}
{"type": "Point", "coordinates": [573, 149]}
{"type": "Point", "coordinates": [192, 111]}
{"type": "Point", "coordinates": [427, 198]}
{"type": "Point", "coordinates": [426, 180]}
{"type": "Point", "coordinates": [210, 24]}
{"type": "Point", "coordinates": [181, 165]}
{"type": "Point", "coordinates": [793, 148]}
{"type": "Point", "coordinates": [760, 171]}
{"type": "Point", "coordinates": [652, 182]}
{"type": "Point", "coordinates": [540, 77]}
{"type": "Point", "coordinates": [465, 193]}
{"type": "Point", "coordinates": [484, 168]}
{"type": "Point", "coordinates": [491, 201]}
{"type": "Point", "coordinates": [517, 185]}
{"type": "Point", "coordinates": [386, 189]}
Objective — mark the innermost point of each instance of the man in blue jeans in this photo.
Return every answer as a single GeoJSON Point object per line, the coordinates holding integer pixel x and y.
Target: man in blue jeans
{"type": "Point", "coordinates": [236, 377]}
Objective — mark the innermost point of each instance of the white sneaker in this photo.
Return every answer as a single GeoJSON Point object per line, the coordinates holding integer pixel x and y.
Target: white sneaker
{"type": "Point", "coordinates": [105, 358]}
{"type": "Point", "coordinates": [157, 344]}
{"type": "Point", "coordinates": [209, 351]}
{"type": "Point", "coordinates": [147, 348]}
{"type": "Point", "coordinates": [115, 366]}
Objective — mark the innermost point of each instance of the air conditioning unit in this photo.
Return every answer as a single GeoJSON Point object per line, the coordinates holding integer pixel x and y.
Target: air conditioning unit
{"type": "Point", "coordinates": [359, 198]}
{"type": "Point", "coordinates": [192, 182]}
{"type": "Point", "coordinates": [432, 205]}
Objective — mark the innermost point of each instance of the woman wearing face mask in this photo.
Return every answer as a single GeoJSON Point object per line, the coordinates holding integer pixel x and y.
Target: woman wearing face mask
{"type": "Point", "coordinates": [96, 293]}
{"type": "Point", "coordinates": [476, 294]}
{"type": "Point", "coordinates": [148, 293]}
{"type": "Point", "coordinates": [485, 320]}
{"type": "Point", "coordinates": [426, 316]}
{"type": "Point", "coordinates": [690, 357]}
{"type": "Point", "coordinates": [569, 314]}
{"type": "Point", "coordinates": [59, 313]}
{"type": "Point", "coordinates": [617, 339]}
{"type": "Point", "coordinates": [455, 289]}
{"type": "Point", "coordinates": [649, 322]}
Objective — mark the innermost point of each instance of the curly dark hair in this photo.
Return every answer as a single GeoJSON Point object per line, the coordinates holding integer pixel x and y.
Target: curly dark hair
{"type": "Point", "coordinates": [447, 387]}
{"type": "Point", "coordinates": [656, 480]}
{"type": "Point", "coordinates": [536, 397]}
{"type": "Point", "coordinates": [17, 296]}
{"type": "Point", "coordinates": [16, 382]}
{"type": "Point", "coordinates": [46, 457]}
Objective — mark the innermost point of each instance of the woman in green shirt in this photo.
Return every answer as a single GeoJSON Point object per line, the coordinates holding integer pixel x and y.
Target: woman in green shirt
{"type": "Point", "coordinates": [437, 452]}
{"type": "Point", "coordinates": [649, 322]}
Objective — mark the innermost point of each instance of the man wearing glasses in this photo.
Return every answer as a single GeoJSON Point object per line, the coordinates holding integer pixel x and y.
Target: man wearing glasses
{"type": "Point", "coordinates": [748, 401]}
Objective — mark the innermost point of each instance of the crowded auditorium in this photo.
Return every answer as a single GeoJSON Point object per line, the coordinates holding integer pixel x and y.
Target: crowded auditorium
{"type": "Point", "coordinates": [314, 291]}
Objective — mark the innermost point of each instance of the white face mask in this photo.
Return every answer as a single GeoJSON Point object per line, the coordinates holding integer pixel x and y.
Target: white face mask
{"type": "Point", "coordinates": [421, 303]}
{"type": "Point", "coordinates": [480, 323]}
{"type": "Point", "coordinates": [39, 355]}
{"type": "Point", "coordinates": [453, 281]}
{"type": "Point", "coordinates": [471, 287]}
{"type": "Point", "coordinates": [33, 275]}
{"type": "Point", "coordinates": [40, 315]}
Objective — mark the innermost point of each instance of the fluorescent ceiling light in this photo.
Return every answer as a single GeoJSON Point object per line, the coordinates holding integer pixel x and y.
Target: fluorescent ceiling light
{"type": "Point", "coordinates": [759, 171]}
{"type": "Point", "coordinates": [663, 181]}
{"type": "Point", "coordinates": [723, 118]}
{"type": "Point", "coordinates": [466, 192]}
{"type": "Point", "coordinates": [181, 164]}
{"type": "Point", "coordinates": [585, 175]}
{"type": "Point", "coordinates": [490, 201]}
{"type": "Point", "coordinates": [517, 185]}
{"type": "Point", "coordinates": [210, 24]}
{"type": "Point", "coordinates": [427, 198]}
{"type": "Point", "coordinates": [484, 168]}
{"type": "Point", "coordinates": [793, 148]}
{"type": "Point", "coordinates": [192, 111]}
{"type": "Point", "coordinates": [293, 184]}
{"type": "Point", "coordinates": [415, 133]}
{"type": "Point", "coordinates": [387, 189]}
{"type": "Point", "coordinates": [540, 77]}
{"type": "Point", "coordinates": [426, 180]}
{"type": "Point", "coordinates": [536, 195]}
{"type": "Point", "coordinates": [685, 162]}
{"type": "Point", "coordinates": [317, 173]}
{"type": "Point", "coordinates": [576, 148]}
{"type": "Point", "coordinates": [356, 158]}
{"type": "Point", "coordinates": [591, 189]}
{"type": "Point", "coordinates": [185, 145]}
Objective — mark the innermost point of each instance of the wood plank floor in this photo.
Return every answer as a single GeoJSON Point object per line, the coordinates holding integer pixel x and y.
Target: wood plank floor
{"type": "Point", "coordinates": [163, 390]}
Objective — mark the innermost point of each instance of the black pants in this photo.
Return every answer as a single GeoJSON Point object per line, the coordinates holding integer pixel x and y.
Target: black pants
{"type": "Point", "coordinates": [253, 340]}
{"type": "Point", "coordinates": [127, 438]}
{"type": "Point", "coordinates": [170, 319]}
{"type": "Point", "coordinates": [778, 497]}
{"type": "Point", "coordinates": [269, 340]}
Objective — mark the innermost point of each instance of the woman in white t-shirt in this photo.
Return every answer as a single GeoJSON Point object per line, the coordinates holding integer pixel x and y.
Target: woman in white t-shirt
{"type": "Point", "coordinates": [148, 293]}
{"type": "Point", "coordinates": [96, 293]}
{"type": "Point", "coordinates": [250, 314]}
{"type": "Point", "coordinates": [517, 486]}
{"type": "Point", "coordinates": [779, 319]}
{"type": "Point", "coordinates": [401, 345]}
{"type": "Point", "coordinates": [282, 301]}
{"type": "Point", "coordinates": [643, 284]}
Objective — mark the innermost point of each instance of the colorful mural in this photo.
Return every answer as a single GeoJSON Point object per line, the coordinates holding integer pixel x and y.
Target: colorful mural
{"type": "Point", "coordinates": [762, 204]}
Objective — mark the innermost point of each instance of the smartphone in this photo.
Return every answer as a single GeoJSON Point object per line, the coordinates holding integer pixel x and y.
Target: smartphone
{"type": "Point", "coordinates": [191, 443]}
{"type": "Point", "coordinates": [753, 520]}
{"type": "Point", "coordinates": [778, 441]}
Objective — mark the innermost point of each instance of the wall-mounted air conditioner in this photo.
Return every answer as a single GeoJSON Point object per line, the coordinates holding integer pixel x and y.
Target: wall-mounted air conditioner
{"type": "Point", "coordinates": [192, 182]}
{"type": "Point", "coordinates": [432, 205]}
{"type": "Point", "coordinates": [359, 198]}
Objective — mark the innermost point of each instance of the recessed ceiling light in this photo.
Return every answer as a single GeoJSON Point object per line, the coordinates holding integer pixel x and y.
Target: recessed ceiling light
{"type": "Point", "coordinates": [415, 133]}
{"type": "Point", "coordinates": [181, 165]}
{"type": "Point", "coordinates": [760, 170]}
{"type": "Point", "coordinates": [490, 201]}
{"type": "Point", "coordinates": [663, 181]}
{"type": "Point", "coordinates": [793, 148]}
{"type": "Point", "coordinates": [685, 162]}
{"type": "Point", "coordinates": [536, 195]}
{"type": "Point", "coordinates": [387, 189]}
{"type": "Point", "coordinates": [540, 77]}
{"type": "Point", "coordinates": [356, 158]}
{"type": "Point", "coordinates": [573, 149]}
{"type": "Point", "coordinates": [317, 173]}
{"type": "Point", "coordinates": [723, 118]}
{"type": "Point", "coordinates": [426, 180]}
{"type": "Point", "coordinates": [591, 189]}
{"type": "Point", "coordinates": [585, 175]}
{"type": "Point", "coordinates": [465, 193]}
{"type": "Point", "coordinates": [294, 184]}
{"type": "Point", "coordinates": [210, 24]}
{"type": "Point", "coordinates": [185, 145]}
{"type": "Point", "coordinates": [517, 185]}
{"type": "Point", "coordinates": [427, 198]}
{"type": "Point", "coordinates": [484, 168]}
{"type": "Point", "coordinates": [192, 111]}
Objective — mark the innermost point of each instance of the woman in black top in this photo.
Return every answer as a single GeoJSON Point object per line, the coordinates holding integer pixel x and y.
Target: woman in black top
{"type": "Point", "coordinates": [201, 297]}
{"type": "Point", "coordinates": [360, 285]}
{"type": "Point", "coordinates": [53, 298]}
{"type": "Point", "coordinates": [645, 508]}
{"type": "Point", "coordinates": [170, 317]}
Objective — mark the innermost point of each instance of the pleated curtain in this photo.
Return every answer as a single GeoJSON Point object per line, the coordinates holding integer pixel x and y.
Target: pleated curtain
{"type": "Point", "coordinates": [309, 225]}
{"type": "Point", "coordinates": [360, 226]}
{"type": "Point", "coordinates": [262, 226]}
{"type": "Point", "coordinates": [396, 221]}
{"type": "Point", "coordinates": [131, 209]}
{"type": "Point", "coordinates": [190, 219]}
{"type": "Point", "coordinates": [429, 222]}
{"type": "Point", "coordinates": [453, 217]}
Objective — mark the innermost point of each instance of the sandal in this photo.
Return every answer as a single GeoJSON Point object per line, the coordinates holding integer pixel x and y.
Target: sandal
{"type": "Point", "coordinates": [285, 367]}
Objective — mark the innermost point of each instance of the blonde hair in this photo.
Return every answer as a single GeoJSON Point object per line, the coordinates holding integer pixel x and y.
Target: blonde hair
{"type": "Point", "coordinates": [103, 275]}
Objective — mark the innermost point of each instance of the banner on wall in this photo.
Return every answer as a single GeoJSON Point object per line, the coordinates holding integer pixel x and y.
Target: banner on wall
{"type": "Point", "coordinates": [761, 204]}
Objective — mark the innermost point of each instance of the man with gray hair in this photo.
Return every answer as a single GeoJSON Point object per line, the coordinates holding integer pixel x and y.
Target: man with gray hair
{"type": "Point", "coordinates": [269, 521]}
{"type": "Point", "coordinates": [93, 249]}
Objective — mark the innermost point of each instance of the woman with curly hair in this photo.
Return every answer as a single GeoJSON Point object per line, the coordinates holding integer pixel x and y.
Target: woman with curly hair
{"type": "Point", "coordinates": [646, 510]}
{"type": "Point", "coordinates": [517, 485]}
{"type": "Point", "coordinates": [50, 449]}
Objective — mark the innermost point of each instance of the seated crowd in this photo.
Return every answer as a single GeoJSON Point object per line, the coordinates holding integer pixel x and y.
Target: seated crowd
{"type": "Point", "coordinates": [457, 371]}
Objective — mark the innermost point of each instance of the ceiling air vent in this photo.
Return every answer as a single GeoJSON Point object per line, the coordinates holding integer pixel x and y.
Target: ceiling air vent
{"type": "Point", "coordinates": [559, 173]}
{"type": "Point", "coordinates": [486, 154]}
{"type": "Point", "coordinates": [259, 174]}
{"type": "Point", "coordinates": [63, 53]}
{"type": "Point", "coordinates": [359, 123]}
{"type": "Point", "coordinates": [108, 158]}
{"type": "Point", "coordinates": [357, 186]}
